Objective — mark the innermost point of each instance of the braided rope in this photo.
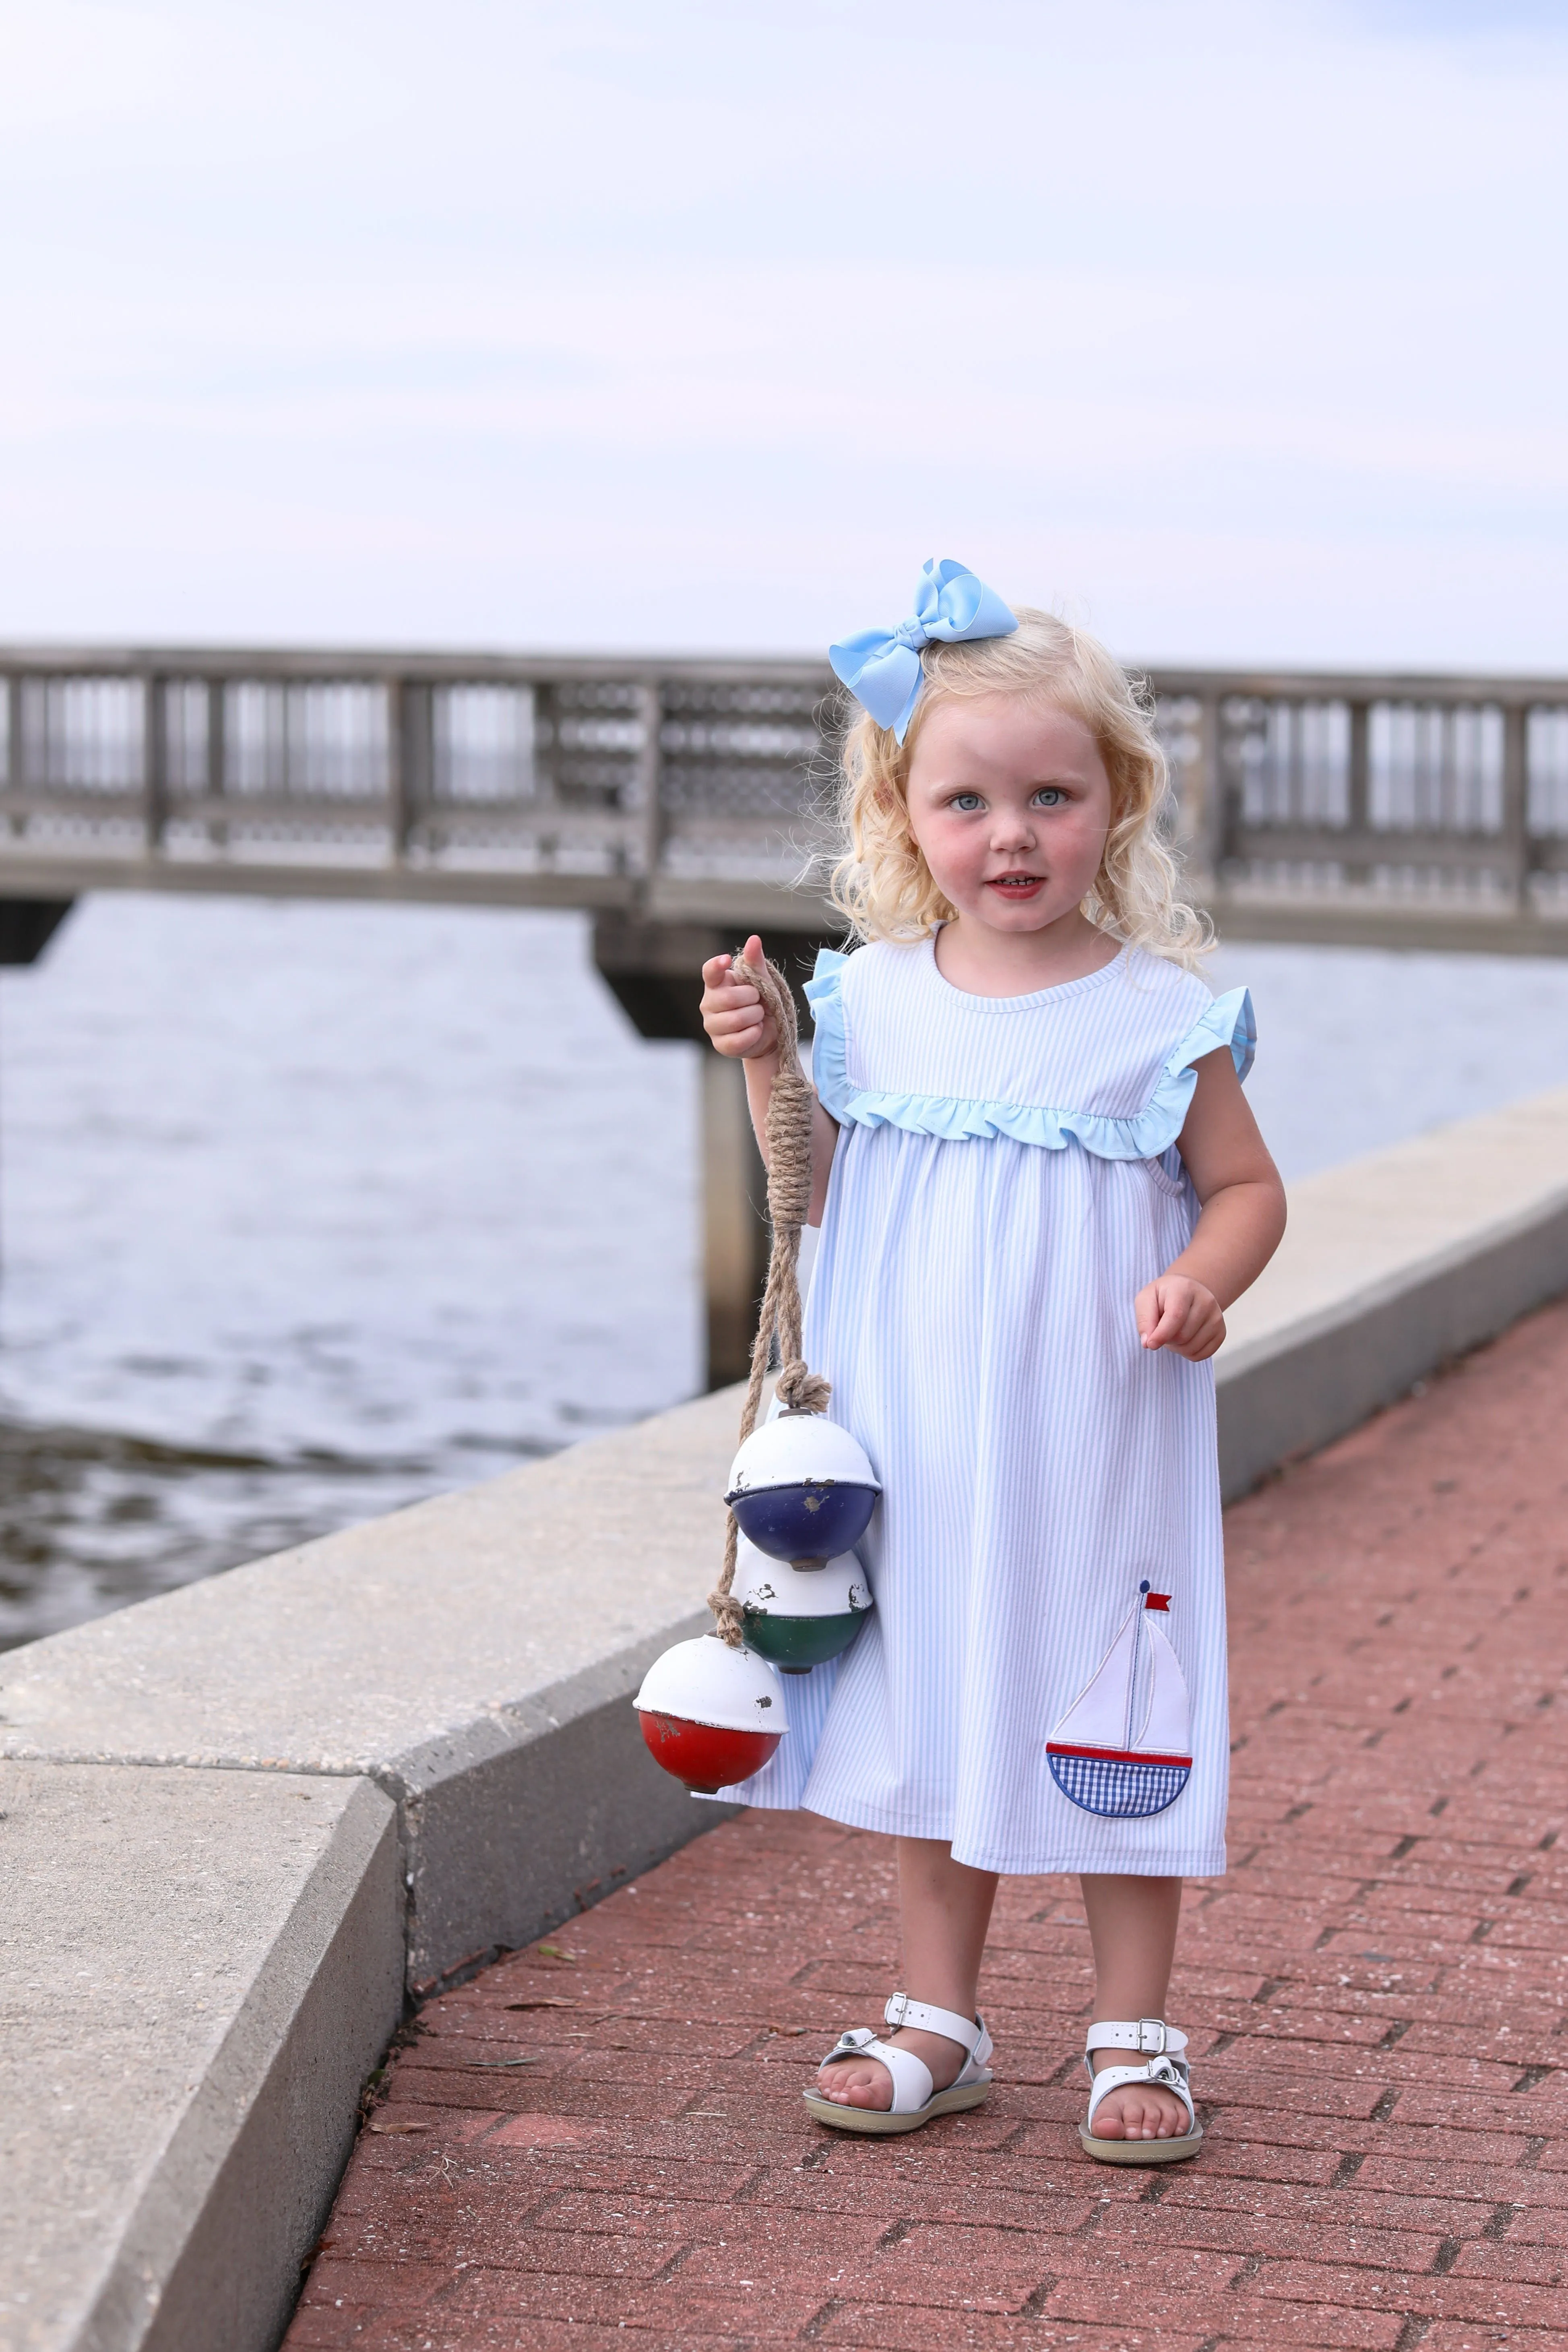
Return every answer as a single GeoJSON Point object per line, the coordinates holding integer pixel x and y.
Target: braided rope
{"type": "Point", "coordinates": [788, 1132]}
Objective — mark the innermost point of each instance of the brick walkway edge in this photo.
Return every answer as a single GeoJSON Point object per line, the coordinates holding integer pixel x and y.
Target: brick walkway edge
{"type": "Point", "coordinates": [600, 2142]}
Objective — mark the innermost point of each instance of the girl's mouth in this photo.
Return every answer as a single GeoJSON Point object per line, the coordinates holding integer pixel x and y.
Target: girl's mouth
{"type": "Point", "coordinates": [1017, 886]}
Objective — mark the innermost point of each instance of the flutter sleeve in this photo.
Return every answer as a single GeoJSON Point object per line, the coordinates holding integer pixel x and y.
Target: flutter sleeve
{"type": "Point", "coordinates": [824, 994]}
{"type": "Point", "coordinates": [1227, 1021]}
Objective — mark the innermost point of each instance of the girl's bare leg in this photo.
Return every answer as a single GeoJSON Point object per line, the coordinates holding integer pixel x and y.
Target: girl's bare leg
{"type": "Point", "coordinates": [1133, 1928]}
{"type": "Point", "coordinates": [946, 1910]}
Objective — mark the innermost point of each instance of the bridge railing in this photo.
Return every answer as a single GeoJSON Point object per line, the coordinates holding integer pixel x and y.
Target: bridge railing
{"type": "Point", "coordinates": [1440, 789]}
{"type": "Point", "coordinates": [589, 769]}
{"type": "Point", "coordinates": [618, 775]}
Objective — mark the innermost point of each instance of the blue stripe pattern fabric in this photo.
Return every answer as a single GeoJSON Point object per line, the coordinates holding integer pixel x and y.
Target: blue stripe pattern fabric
{"type": "Point", "coordinates": [1005, 1181]}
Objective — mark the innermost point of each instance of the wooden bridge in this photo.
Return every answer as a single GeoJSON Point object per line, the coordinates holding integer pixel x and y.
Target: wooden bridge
{"type": "Point", "coordinates": [683, 802]}
{"type": "Point", "coordinates": [1310, 804]}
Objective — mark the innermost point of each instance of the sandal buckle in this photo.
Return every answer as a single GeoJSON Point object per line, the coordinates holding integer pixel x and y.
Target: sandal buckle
{"type": "Point", "coordinates": [899, 2001]}
{"type": "Point", "coordinates": [1147, 2026]}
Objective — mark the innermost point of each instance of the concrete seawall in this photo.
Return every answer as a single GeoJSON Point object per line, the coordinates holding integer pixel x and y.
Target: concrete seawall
{"type": "Point", "coordinates": [1390, 1266]}
{"type": "Point", "coordinates": [240, 1822]}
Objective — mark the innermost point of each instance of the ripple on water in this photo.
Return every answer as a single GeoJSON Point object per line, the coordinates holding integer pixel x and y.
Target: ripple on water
{"type": "Point", "coordinates": [90, 1521]}
{"type": "Point", "coordinates": [311, 1210]}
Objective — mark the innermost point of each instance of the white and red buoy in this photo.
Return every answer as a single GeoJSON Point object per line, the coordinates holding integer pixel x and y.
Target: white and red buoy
{"type": "Point", "coordinates": [711, 1715]}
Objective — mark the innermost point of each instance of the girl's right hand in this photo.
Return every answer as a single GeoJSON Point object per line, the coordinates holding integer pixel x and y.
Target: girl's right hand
{"type": "Point", "coordinates": [733, 1012]}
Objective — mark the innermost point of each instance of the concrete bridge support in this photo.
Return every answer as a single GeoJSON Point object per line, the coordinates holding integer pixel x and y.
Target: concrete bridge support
{"type": "Point", "coordinates": [654, 970]}
{"type": "Point", "coordinates": [27, 925]}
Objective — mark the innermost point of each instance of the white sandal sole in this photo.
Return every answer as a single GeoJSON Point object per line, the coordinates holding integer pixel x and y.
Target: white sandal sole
{"type": "Point", "coordinates": [879, 2123]}
{"type": "Point", "coordinates": [1141, 2151]}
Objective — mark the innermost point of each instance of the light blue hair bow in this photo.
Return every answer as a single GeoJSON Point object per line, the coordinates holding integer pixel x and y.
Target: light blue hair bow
{"type": "Point", "coordinates": [881, 668]}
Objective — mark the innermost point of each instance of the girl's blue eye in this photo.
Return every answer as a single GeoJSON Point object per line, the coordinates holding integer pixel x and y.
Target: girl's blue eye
{"type": "Point", "coordinates": [965, 801]}
{"type": "Point", "coordinates": [1048, 795]}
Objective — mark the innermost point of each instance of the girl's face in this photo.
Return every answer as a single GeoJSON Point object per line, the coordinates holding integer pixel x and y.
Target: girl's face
{"type": "Point", "coordinates": [1010, 803]}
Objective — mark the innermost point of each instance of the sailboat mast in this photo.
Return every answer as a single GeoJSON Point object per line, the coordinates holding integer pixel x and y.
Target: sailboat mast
{"type": "Point", "coordinates": [1137, 1655]}
{"type": "Point", "coordinates": [1134, 1653]}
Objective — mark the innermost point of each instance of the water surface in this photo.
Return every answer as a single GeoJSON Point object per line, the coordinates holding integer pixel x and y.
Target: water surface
{"type": "Point", "coordinates": [308, 1210]}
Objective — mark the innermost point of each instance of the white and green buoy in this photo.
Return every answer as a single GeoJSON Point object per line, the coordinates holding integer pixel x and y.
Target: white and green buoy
{"type": "Point", "coordinates": [799, 1613]}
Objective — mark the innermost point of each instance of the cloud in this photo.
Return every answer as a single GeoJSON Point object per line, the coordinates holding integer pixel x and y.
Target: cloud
{"type": "Point", "coordinates": [1234, 323]}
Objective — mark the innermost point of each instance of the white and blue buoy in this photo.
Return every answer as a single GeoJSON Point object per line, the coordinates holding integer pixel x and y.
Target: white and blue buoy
{"type": "Point", "coordinates": [801, 1488]}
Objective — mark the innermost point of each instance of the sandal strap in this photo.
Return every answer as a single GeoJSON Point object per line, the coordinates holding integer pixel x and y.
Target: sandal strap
{"type": "Point", "coordinates": [967, 2032]}
{"type": "Point", "coordinates": [1149, 2036]}
{"type": "Point", "coordinates": [911, 2077]}
{"type": "Point", "coordinates": [1169, 2073]}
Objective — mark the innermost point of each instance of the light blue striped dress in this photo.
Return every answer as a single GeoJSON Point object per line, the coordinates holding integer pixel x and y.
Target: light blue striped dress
{"type": "Point", "coordinates": [1004, 1184]}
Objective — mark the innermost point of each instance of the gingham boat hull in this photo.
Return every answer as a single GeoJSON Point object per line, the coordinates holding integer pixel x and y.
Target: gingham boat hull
{"type": "Point", "coordinates": [1123, 1787]}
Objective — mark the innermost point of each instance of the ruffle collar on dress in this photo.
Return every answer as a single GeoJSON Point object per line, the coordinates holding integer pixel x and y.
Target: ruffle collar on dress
{"type": "Point", "coordinates": [1227, 1021]}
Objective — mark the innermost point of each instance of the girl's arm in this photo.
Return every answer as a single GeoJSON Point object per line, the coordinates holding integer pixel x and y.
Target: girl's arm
{"type": "Point", "coordinates": [1239, 1229]}
{"type": "Point", "coordinates": [738, 1027]}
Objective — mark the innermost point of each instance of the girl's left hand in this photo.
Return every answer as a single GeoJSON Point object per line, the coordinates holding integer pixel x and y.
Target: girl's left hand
{"type": "Point", "coordinates": [1176, 1312]}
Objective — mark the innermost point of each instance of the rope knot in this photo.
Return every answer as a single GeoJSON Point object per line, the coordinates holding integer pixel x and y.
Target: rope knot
{"type": "Point", "coordinates": [801, 1391]}
{"type": "Point", "coordinates": [728, 1612]}
{"type": "Point", "coordinates": [788, 1131]}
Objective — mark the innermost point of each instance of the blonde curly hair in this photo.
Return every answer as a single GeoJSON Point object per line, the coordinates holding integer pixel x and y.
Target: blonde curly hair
{"type": "Point", "coordinates": [883, 884]}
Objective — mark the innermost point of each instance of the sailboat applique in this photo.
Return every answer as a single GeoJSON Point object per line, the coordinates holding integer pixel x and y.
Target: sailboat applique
{"type": "Point", "coordinates": [1124, 1747]}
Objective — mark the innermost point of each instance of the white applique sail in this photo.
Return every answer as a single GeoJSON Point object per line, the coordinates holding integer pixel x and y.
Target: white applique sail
{"type": "Point", "coordinates": [1124, 1746]}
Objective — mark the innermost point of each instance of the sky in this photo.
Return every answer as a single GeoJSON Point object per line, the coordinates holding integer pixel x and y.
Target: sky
{"type": "Point", "coordinates": [1236, 331]}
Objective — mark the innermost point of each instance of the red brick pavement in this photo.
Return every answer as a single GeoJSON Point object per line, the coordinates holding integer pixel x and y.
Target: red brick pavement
{"type": "Point", "coordinates": [599, 2142]}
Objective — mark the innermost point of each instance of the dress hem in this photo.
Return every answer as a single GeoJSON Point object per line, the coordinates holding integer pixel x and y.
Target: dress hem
{"type": "Point", "coordinates": [1183, 1862]}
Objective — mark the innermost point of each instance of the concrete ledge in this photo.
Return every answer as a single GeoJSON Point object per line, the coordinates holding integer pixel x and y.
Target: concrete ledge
{"type": "Point", "coordinates": [199, 1971]}
{"type": "Point", "coordinates": [474, 1656]}
{"type": "Point", "coordinates": [1390, 1266]}
{"type": "Point", "coordinates": [372, 1761]}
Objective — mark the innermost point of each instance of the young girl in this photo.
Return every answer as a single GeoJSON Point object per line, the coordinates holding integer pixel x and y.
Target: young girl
{"type": "Point", "coordinates": [1039, 1186]}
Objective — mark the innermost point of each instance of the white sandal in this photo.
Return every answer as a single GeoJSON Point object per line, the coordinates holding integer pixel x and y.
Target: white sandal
{"type": "Point", "coordinates": [1164, 2065]}
{"type": "Point", "coordinates": [915, 2100]}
